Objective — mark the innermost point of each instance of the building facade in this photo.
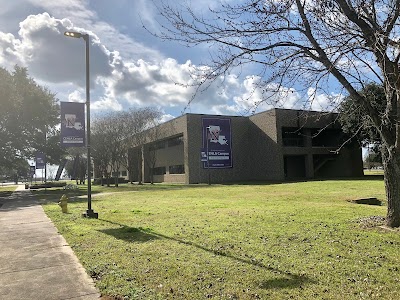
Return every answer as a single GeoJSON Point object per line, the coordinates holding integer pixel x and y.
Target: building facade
{"type": "Point", "coordinates": [274, 145]}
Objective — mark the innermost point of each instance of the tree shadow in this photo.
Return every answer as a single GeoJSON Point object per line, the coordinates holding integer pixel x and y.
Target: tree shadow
{"type": "Point", "coordinates": [18, 200]}
{"type": "Point", "coordinates": [284, 282]}
{"type": "Point", "coordinates": [132, 234]}
{"type": "Point", "coordinates": [129, 234]}
{"type": "Point", "coordinates": [4, 194]}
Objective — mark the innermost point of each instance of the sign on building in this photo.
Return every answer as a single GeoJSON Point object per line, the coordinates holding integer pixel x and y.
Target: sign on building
{"type": "Point", "coordinates": [72, 124]}
{"type": "Point", "coordinates": [216, 149]}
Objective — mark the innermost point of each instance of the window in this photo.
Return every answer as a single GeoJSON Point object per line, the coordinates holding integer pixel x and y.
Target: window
{"type": "Point", "coordinates": [327, 137]}
{"type": "Point", "coordinates": [115, 174]}
{"type": "Point", "coordinates": [123, 173]}
{"type": "Point", "coordinates": [175, 141]}
{"type": "Point", "coordinates": [159, 171]}
{"type": "Point", "coordinates": [157, 145]}
{"type": "Point", "coordinates": [177, 169]}
{"type": "Point", "coordinates": [292, 137]}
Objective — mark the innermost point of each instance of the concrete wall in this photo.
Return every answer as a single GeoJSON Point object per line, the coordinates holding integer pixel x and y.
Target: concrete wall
{"type": "Point", "coordinates": [258, 152]}
{"type": "Point", "coordinates": [267, 160]}
{"type": "Point", "coordinates": [241, 154]}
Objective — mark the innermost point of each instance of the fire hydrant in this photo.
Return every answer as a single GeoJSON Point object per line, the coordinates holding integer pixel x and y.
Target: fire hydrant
{"type": "Point", "coordinates": [63, 203]}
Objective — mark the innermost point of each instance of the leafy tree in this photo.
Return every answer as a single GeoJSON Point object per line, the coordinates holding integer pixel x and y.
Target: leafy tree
{"type": "Point", "coordinates": [28, 112]}
{"type": "Point", "coordinates": [20, 169]}
{"type": "Point", "coordinates": [307, 43]}
{"type": "Point", "coordinates": [356, 122]}
{"type": "Point", "coordinates": [373, 159]}
{"type": "Point", "coordinates": [354, 117]}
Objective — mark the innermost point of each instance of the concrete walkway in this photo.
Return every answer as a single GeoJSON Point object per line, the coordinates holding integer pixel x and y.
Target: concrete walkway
{"type": "Point", "coordinates": [35, 260]}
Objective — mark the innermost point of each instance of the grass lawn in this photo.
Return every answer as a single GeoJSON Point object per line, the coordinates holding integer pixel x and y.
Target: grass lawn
{"type": "Point", "coordinates": [373, 172]}
{"type": "Point", "coordinates": [258, 241]}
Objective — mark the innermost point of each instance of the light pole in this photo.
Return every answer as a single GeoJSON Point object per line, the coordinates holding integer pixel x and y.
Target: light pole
{"type": "Point", "coordinates": [89, 212]}
{"type": "Point", "coordinates": [208, 155]}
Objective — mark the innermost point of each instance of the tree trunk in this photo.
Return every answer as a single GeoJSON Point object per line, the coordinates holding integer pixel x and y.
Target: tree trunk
{"type": "Point", "coordinates": [391, 166]}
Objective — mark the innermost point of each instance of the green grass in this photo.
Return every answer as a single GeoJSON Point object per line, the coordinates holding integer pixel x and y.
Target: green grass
{"type": "Point", "coordinates": [373, 172]}
{"type": "Point", "coordinates": [261, 241]}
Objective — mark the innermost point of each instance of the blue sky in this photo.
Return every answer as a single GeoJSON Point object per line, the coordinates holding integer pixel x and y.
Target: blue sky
{"type": "Point", "coordinates": [130, 68]}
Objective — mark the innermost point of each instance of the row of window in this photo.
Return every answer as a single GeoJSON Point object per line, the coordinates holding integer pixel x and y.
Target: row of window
{"type": "Point", "coordinates": [295, 137]}
{"type": "Point", "coordinates": [167, 143]}
{"type": "Point", "coordinates": [176, 169]}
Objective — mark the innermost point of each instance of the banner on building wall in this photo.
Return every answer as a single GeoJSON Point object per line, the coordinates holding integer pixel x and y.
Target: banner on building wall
{"type": "Point", "coordinates": [72, 124]}
{"type": "Point", "coordinates": [40, 160]}
{"type": "Point", "coordinates": [216, 152]}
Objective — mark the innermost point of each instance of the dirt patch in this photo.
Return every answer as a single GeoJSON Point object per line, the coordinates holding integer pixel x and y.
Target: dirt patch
{"type": "Point", "coordinates": [371, 222]}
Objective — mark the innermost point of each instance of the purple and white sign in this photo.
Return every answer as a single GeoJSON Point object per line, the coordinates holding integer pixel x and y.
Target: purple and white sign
{"type": "Point", "coordinates": [72, 124]}
{"type": "Point", "coordinates": [40, 160]}
{"type": "Point", "coordinates": [217, 143]}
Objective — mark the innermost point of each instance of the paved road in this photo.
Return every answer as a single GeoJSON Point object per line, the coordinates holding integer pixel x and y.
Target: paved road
{"type": "Point", "coordinates": [35, 260]}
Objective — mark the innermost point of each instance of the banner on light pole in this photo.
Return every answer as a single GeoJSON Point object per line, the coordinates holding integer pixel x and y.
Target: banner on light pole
{"type": "Point", "coordinates": [72, 124]}
{"type": "Point", "coordinates": [40, 160]}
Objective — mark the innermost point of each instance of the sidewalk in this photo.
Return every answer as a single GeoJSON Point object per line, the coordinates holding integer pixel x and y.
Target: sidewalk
{"type": "Point", "coordinates": [36, 263]}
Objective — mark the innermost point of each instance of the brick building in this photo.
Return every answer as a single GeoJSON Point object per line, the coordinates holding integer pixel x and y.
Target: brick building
{"type": "Point", "coordinates": [278, 144]}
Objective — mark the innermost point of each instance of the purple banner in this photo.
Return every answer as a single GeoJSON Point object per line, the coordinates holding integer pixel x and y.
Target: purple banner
{"type": "Point", "coordinates": [217, 143]}
{"type": "Point", "coordinates": [40, 160]}
{"type": "Point", "coordinates": [72, 124]}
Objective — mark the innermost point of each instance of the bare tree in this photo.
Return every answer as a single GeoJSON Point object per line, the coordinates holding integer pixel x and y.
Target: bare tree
{"type": "Point", "coordinates": [100, 149]}
{"type": "Point", "coordinates": [308, 43]}
{"type": "Point", "coordinates": [137, 121]}
{"type": "Point", "coordinates": [114, 134]}
{"type": "Point", "coordinates": [153, 134]}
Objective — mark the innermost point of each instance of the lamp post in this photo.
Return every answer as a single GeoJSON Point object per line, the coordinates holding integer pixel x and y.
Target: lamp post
{"type": "Point", "coordinates": [89, 212]}
{"type": "Point", "coordinates": [208, 155]}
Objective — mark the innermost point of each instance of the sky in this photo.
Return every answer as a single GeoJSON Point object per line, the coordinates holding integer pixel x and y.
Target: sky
{"type": "Point", "coordinates": [130, 68]}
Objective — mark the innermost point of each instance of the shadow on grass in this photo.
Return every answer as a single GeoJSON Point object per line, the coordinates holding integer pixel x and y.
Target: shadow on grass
{"type": "Point", "coordinates": [4, 194]}
{"type": "Point", "coordinates": [283, 283]}
{"type": "Point", "coordinates": [131, 234]}
{"type": "Point", "coordinates": [54, 195]}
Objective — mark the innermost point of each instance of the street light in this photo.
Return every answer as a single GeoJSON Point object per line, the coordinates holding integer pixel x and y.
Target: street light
{"type": "Point", "coordinates": [208, 155]}
{"type": "Point", "coordinates": [89, 212]}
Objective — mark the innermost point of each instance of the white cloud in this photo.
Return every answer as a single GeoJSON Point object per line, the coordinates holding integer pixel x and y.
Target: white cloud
{"type": "Point", "coordinates": [77, 96]}
{"type": "Point", "coordinates": [49, 55]}
{"type": "Point", "coordinates": [165, 117]}
{"type": "Point", "coordinates": [323, 102]}
{"type": "Point", "coordinates": [77, 11]}
{"type": "Point", "coordinates": [9, 56]}
{"type": "Point", "coordinates": [125, 72]}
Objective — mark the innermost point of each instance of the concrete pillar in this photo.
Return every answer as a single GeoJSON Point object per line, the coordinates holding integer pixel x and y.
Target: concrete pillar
{"type": "Point", "coordinates": [309, 157]}
{"type": "Point", "coordinates": [309, 166]}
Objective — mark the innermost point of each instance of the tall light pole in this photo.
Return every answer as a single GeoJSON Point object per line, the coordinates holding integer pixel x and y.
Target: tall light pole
{"type": "Point", "coordinates": [89, 212]}
{"type": "Point", "coordinates": [208, 155]}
